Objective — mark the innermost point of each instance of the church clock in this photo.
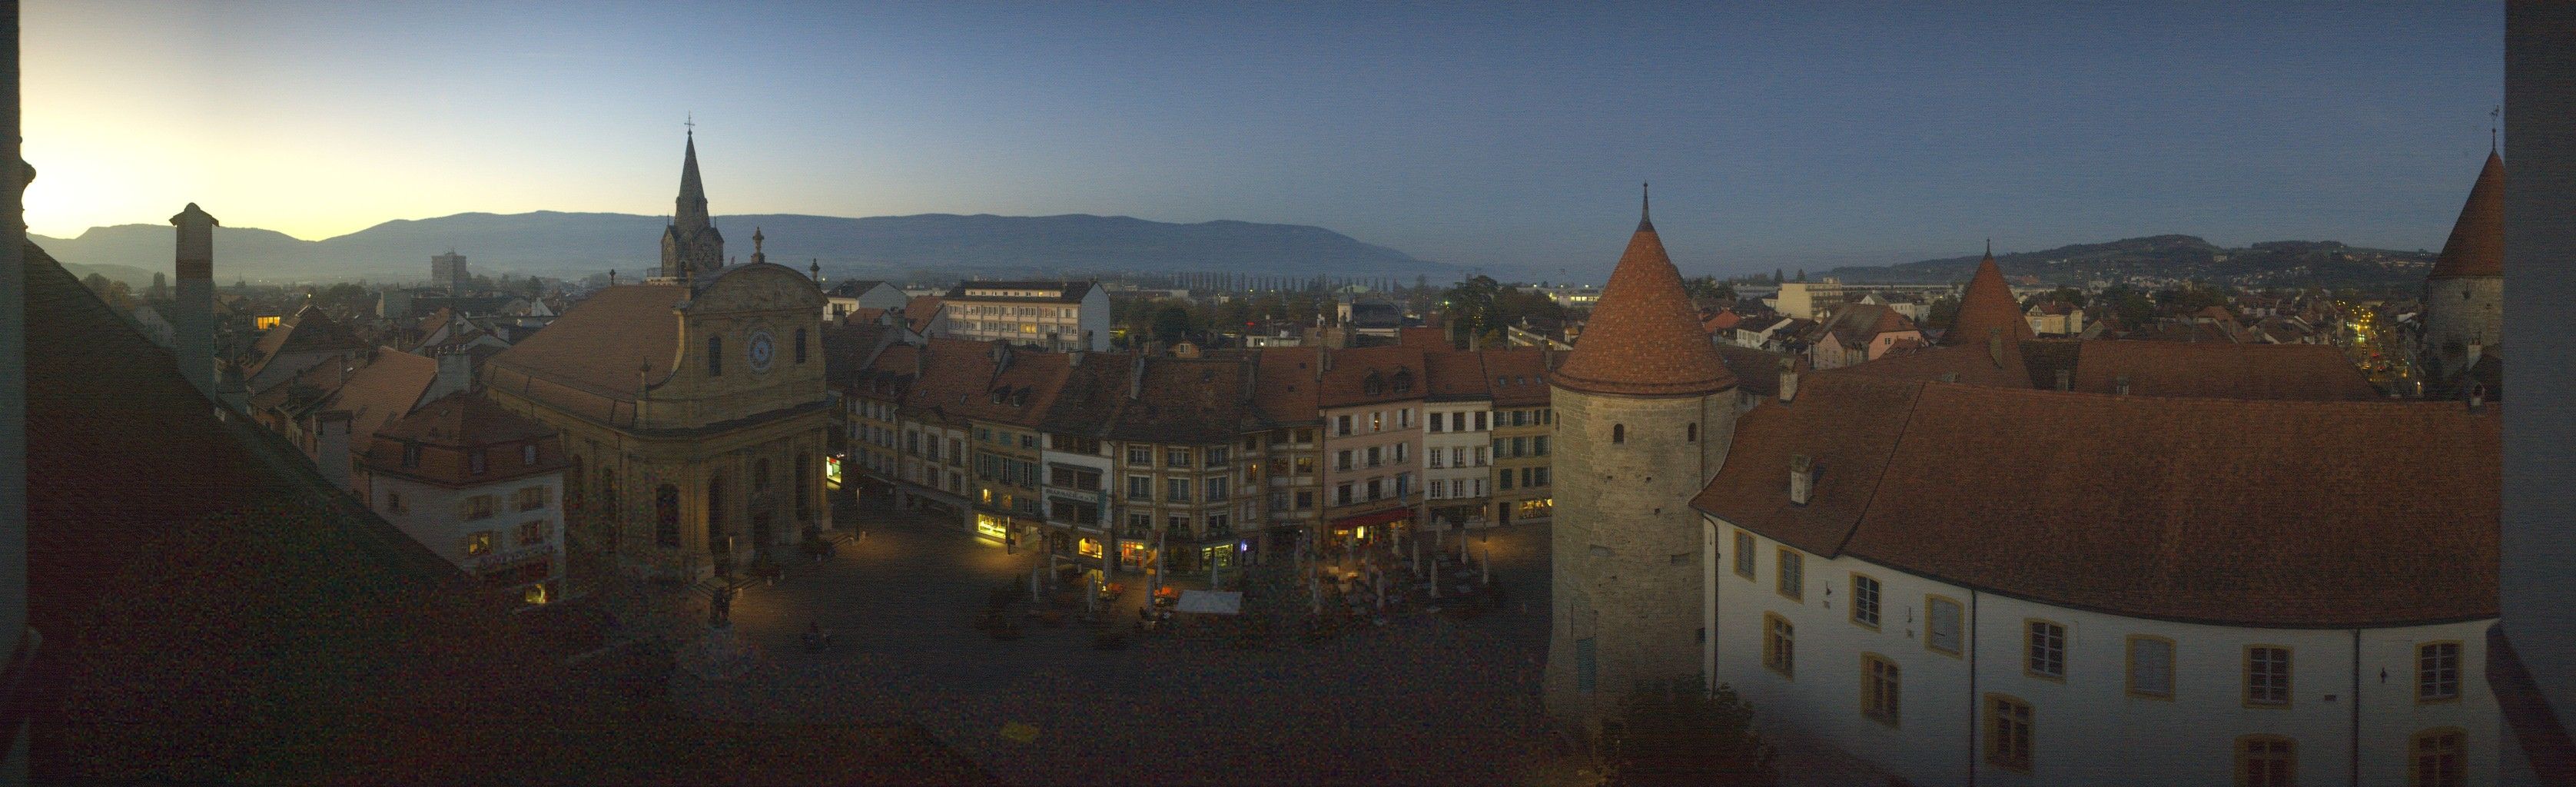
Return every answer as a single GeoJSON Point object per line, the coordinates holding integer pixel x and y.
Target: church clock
{"type": "Point", "coordinates": [761, 350]}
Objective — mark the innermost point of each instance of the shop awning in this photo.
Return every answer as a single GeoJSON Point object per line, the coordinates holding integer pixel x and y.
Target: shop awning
{"type": "Point", "coordinates": [1375, 518]}
{"type": "Point", "coordinates": [1210, 602]}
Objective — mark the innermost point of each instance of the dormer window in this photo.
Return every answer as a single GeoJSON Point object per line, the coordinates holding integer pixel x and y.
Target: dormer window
{"type": "Point", "coordinates": [411, 454]}
{"type": "Point", "coordinates": [528, 454]}
{"type": "Point", "coordinates": [474, 461]}
{"type": "Point", "coordinates": [1373, 385]}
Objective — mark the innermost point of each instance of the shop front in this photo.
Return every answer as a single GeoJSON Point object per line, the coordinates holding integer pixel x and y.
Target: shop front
{"type": "Point", "coordinates": [1352, 533]}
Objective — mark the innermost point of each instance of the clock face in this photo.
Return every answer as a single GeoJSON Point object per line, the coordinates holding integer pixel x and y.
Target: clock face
{"type": "Point", "coordinates": [760, 351]}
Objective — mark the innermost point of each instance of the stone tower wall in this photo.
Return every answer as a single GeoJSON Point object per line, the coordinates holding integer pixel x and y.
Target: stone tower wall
{"type": "Point", "coordinates": [2458, 312]}
{"type": "Point", "coordinates": [1626, 542]}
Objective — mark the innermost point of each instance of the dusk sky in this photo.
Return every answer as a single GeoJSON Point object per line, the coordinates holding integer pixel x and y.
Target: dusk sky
{"type": "Point", "coordinates": [1505, 136]}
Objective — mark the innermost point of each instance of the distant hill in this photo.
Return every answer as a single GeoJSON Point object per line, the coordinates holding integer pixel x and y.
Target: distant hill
{"type": "Point", "coordinates": [2269, 264]}
{"type": "Point", "coordinates": [579, 244]}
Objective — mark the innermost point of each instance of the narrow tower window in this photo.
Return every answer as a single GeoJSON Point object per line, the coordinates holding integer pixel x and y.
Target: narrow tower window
{"type": "Point", "coordinates": [1618, 433]}
{"type": "Point", "coordinates": [715, 356]}
{"type": "Point", "coordinates": [1690, 434]}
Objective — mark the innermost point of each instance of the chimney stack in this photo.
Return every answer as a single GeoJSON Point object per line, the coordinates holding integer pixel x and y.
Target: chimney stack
{"type": "Point", "coordinates": [193, 314]}
{"type": "Point", "coordinates": [2065, 379]}
{"type": "Point", "coordinates": [331, 446]}
{"type": "Point", "coordinates": [455, 373]}
{"type": "Point", "coordinates": [2121, 386]}
{"type": "Point", "coordinates": [1802, 478]}
{"type": "Point", "coordinates": [2477, 397]}
{"type": "Point", "coordinates": [1788, 380]}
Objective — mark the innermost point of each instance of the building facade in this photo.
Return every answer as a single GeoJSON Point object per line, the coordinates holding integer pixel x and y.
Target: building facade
{"type": "Point", "coordinates": [693, 407]}
{"type": "Point", "coordinates": [1371, 403]}
{"type": "Point", "coordinates": [478, 485]}
{"type": "Point", "coordinates": [1056, 316]}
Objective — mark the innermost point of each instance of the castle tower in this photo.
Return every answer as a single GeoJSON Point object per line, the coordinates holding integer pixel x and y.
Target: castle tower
{"type": "Point", "coordinates": [1987, 309]}
{"type": "Point", "coordinates": [691, 247]}
{"type": "Point", "coordinates": [2464, 295]}
{"type": "Point", "coordinates": [192, 315]}
{"type": "Point", "coordinates": [1644, 412]}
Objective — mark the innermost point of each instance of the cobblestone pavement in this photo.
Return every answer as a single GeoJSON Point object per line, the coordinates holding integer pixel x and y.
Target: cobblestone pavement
{"type": "Point", "coordinates": [1426, 699]}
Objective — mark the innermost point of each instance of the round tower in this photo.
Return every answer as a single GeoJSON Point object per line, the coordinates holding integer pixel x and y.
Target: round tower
{"type": "Point", "coordinates": [2464, 295]}
{"type": "Point", "coordinates": [1644, 411]}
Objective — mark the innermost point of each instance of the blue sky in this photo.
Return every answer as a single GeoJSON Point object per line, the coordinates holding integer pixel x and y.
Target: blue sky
{"type": "Point", "coordinates": [1509, 136]}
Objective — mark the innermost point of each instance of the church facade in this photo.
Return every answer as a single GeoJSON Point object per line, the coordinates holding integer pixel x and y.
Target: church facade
{"type": "Point", "coordinates": [692, 406]}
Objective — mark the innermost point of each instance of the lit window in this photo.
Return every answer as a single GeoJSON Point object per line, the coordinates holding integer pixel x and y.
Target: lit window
{"type": "Point", "coordinates": [2008, 733]}
{"type": "Point", "coordinates": [1792, 574]}
{"type": "Point", "coordinates": [2437, 759]}
{"type": "Point", "coordinates": [478, 543]}
{"type": "Point", "coordinates": [1779, 645]}
{"type": "Point", "coordinates": [1880, 689]}
{"type": "Point", "coordinates": [2151, 666]}
{"type": "Point", "coordinates": [2267, 675]}
{"type": "Point", "coordinates": [2437, 671]}
{"type": "Point", "coordinates": [2265, 761]}
{"type": "Point", "coordinates": [2047, 649]}
{"type": "Point", "coordinates": [1744, 554]}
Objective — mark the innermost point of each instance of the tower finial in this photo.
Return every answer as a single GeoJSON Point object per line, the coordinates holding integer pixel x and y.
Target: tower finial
{"type": "Point", "coordinates": [1645, 207]}
{"type": "Point", "coordinates": [692, 123]}
{"type": "Point", "coordinates": [1990, 247]}
{"type": "Point", "coordinates": [2494, 116]}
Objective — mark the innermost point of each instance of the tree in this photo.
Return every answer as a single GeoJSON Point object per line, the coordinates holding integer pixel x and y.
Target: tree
{"type": "Point", "coordinates": [1672, 732]}
{"type": "Point", "coordinates": [1172, 322]}
{"type": "Point", "coordinates": [1943, 311]}
{"type": "Point", "coordinates": [1777, 277]}
{"type": "Point", "coordinates": [115, 293]}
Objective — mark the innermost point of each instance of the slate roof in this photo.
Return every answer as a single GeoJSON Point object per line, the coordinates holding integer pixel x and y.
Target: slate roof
{"type": "Point", "coordinates": [2476, 246]}
{"type": "Point", "coordinates": [1644, 339]}
{"type": "Point", "coordinates": [2287, 514]}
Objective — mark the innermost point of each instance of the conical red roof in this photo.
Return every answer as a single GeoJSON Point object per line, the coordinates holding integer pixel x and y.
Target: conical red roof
{"type": "Point", "coordinates": [1987, 305]}
{"type": "Point", "coordinates": [2476, 247]}
{"type": "Point", "coordinates": [1644, 339]}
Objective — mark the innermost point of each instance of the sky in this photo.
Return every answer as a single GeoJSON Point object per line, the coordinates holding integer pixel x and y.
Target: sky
{"type": "Point", "coordinates": [1509, 137]}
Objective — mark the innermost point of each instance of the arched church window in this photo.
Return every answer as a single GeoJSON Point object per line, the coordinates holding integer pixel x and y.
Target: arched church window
{"type": "Point", "coordinates": [1618, 433]}
{"type": "Point", "coordinates": [800, 345]}
{"type": "Point", "coordinates": [1690, 434]}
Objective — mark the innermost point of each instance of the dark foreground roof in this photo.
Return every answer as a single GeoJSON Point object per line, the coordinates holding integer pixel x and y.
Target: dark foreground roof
{"type": "Point", "coordinates": [213, 611]}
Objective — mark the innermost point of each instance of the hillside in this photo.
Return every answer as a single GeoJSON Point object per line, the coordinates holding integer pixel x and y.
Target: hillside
{"type": "Point", "coordinates": [932, 245]}
{"type": "Point", "coordinates": [2169, 257]}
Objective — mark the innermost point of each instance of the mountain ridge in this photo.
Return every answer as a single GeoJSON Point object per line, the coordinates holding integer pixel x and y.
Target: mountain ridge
{"type": "Point", "coordinates": [576, 244]}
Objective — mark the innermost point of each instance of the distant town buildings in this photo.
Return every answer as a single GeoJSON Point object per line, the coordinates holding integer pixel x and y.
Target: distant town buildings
{"type": "Point", "coordinates": [1056, 316]}
{"type": "Point", "coordinates": [448, 271]}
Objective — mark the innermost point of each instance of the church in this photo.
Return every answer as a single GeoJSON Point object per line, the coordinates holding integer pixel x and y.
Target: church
{"type": "Point", "coordinates": [692, 404]}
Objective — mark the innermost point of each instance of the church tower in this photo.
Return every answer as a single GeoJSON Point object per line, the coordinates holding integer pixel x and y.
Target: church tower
{"type": "Point", "coordinates": [691, 247]}
{"type": "Point", "coordinates": [1644, 412]}
{"type": "Point", "coordinates": [2464, 295]}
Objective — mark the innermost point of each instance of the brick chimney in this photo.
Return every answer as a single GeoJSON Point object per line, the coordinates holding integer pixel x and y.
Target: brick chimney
{"type": "Point", "coordinates": [331, 446]}
{"type": "Point", "coordinates": [192, 315]}
{"type": "Point", "coordinates": [1802, 478]}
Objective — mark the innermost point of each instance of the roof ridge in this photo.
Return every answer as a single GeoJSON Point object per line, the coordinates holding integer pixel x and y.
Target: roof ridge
{"type": "Point", "coordinates": [1913, 406]}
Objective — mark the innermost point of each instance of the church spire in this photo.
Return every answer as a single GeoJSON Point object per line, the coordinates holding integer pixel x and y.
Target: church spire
{"type": "Point", "coordinates": [691, 242]}
{"type": "Point", "coordinates": [692, 212]}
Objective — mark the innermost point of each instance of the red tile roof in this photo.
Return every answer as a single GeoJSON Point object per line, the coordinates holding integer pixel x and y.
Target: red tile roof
{"type": "Point", "coordinates": [921, 312]}
{"type": "Point", "coordinates": [309, 330]}
{"type": "Point", "coordinates": [2476, 247]}
{"type": "Point", "coordinates": [452, 427]}
{"type": "Point", "coordinates": [1643, 338]}
{"type": "Point", "coordinates": [1288, 387]}
{"type": "Point", "coordinates": [1988, 305]}
{"type": "Point", "coordinates": [962, 378]}
{"type": "Point", "coordinates": [1398, 372]}
{"type": "Point", "coordinates": [1456, 375]}
{"type": "Point", "coordinates": [608, 346]}
{"type": "Point", "coordinates": [2285, 514]}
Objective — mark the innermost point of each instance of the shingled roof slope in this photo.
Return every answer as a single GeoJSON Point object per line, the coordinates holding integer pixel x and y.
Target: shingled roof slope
{"type": "Point", "coordinates": [1643, 338]}
{"type": "Point", "coordinates": [610, 345]}
{"type": "Point", "coordinates": [309, 330]}
{"type": "Point", "coordinates": [1288, 388]}
{"type": "Point", "coordinates": [1520, 376]}
{"type": "Point", "coordinates": [451, 427]}
{"type": "Point", "coordinates": [1455, 375]}
{"type": "Point", "coordinates": [1190, 400]}
{"type": "Point", "coordinates": [1398, 370]}
{"type": "Point", "coordinates": [2235, 512]}
{"type": "Point", "coordinates": [1987, 306]}
{"type": "Point", "coordinates": [2476, 246]}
